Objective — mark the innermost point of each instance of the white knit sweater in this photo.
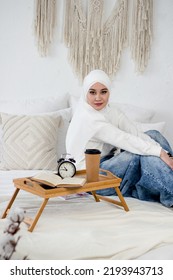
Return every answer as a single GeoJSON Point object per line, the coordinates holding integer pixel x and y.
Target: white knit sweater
{"type": "Point", "coordinates": [117, 131]}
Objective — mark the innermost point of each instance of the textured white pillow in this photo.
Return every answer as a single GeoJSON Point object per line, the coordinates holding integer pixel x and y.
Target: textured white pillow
{"type": "Point", "coordinates": [30, 142]}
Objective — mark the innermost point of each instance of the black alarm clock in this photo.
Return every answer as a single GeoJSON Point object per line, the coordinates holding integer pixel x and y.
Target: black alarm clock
{"type": "Point", "coordinates": [66, 166]}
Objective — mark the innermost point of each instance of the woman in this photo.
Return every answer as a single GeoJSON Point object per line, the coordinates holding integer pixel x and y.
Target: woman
{"type": "Point", "coordinates": [141, 159]}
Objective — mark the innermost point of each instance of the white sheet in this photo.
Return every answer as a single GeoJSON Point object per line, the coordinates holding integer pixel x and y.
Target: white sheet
{"type": "Point", "coordinates": [80, 228]}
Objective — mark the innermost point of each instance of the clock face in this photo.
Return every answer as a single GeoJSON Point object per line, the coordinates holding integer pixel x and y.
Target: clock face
{"type": "Point", "coordinates": [66, 169]}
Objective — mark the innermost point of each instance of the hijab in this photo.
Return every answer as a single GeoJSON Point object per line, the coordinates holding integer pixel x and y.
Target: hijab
{"type": "Point", "coordinates": [86, 120]}
{"type": "Point", "coordinates": [95, 76]}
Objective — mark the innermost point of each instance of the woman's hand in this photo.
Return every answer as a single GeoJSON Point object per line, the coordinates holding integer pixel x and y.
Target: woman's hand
{"type": "Point", "coordinates": [166, 158]}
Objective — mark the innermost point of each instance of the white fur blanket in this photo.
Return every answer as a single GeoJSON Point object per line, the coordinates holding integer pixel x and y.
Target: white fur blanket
{"type": "Point", "coordinates": [80, 228]}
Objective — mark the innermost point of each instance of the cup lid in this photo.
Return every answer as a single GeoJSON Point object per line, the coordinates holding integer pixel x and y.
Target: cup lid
{"type": "Point", "coordinates": [92, 151]}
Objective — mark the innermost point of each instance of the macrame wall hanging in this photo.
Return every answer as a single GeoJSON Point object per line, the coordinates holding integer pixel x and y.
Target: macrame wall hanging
{"type": "Point", "coordinates": [44, 24]}
{"type": "Point", "coordinates": [92, 43]}
{"type": "Point", "coordinates": [142, 20]}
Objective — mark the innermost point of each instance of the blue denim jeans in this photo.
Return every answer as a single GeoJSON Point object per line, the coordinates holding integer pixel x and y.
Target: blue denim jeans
{"type": "Point", "coordinates": [143, 177]}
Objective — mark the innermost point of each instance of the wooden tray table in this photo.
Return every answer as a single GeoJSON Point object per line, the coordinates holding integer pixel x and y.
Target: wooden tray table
{"type": "Point", "coordinates": [27, 184]}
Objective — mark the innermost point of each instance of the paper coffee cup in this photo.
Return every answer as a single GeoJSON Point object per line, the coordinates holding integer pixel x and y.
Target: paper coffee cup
{"type": "Point", "coordinates": [92, 160]}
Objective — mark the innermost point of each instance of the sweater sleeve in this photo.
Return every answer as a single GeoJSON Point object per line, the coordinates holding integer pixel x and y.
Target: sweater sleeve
{"type": "Point", "coordinates": [125, 124]}
{"type": "Point", "coordinates": [130, 140]}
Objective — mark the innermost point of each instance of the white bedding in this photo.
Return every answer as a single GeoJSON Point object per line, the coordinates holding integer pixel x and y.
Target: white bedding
{"type": "Point", "coordinates": [80, 228]}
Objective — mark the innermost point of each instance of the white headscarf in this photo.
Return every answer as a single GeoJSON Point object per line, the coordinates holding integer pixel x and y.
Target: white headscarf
{"type": "Point", "coordinates": [86, 120]}
{"type": "Point", "coordinates": [95, 76]}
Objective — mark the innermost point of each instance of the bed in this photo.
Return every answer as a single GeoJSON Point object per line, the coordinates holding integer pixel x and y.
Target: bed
{"type": "Point", "coordinates": [76, 227]}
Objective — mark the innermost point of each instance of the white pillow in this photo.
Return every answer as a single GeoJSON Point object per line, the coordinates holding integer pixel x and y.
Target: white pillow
{"type": "Point", "coordinates": [66, 118]}
{"type": "Point", "coordinates": [73, 100]}
{"type": "Point", "coordinates": [31, 106]}
{"type": "Point", "coordinates": [159, 126]}
{"type": "Point", "coordinates": [30, 141]}
{"type": "Point", "coordinates": [0, 142]}
{"type": "Point", "coordinates": [47, 104]}
{"type": "Point", "coordinates": [133, 112]}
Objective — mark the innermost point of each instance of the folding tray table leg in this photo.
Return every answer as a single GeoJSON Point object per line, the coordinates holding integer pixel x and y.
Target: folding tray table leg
{"type": "Point", "coordinates": [10, 203]}
{"type": "Point", "coordinates": [123, 203]}
{"type": "Point", "coordinates": [95, 196]}
{"type": "Point", "coordinates": [35, 220]}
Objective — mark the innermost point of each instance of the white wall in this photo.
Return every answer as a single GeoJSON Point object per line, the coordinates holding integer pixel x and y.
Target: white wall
{"type": "Point", "coordinates": [24, 73]}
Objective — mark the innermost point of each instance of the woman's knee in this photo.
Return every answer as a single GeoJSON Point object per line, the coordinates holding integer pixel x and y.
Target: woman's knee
{"type": "Point", "coordinates": [154, 134]}
{"type": "Point", "coordinates": [158, 137]}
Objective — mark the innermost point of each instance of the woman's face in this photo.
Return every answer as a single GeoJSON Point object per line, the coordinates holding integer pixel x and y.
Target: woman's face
{"type": "Point", "coordinates": [98, 96]}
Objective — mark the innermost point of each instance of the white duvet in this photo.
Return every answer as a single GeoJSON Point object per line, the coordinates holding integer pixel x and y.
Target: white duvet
{"type": "Point", "coordinates": [80, 228]}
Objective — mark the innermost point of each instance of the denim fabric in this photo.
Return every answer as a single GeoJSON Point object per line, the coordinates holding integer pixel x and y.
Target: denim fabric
{"type": "Point", "coordinates": [143, 177]}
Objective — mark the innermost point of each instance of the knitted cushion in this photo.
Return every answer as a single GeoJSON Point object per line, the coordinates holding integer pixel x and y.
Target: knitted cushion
{"type": "Point", "coordinates": [30, 142]}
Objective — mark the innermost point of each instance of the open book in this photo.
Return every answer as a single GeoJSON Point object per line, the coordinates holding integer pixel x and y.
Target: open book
{"type": "Point", "coordinates": [53, 180]}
